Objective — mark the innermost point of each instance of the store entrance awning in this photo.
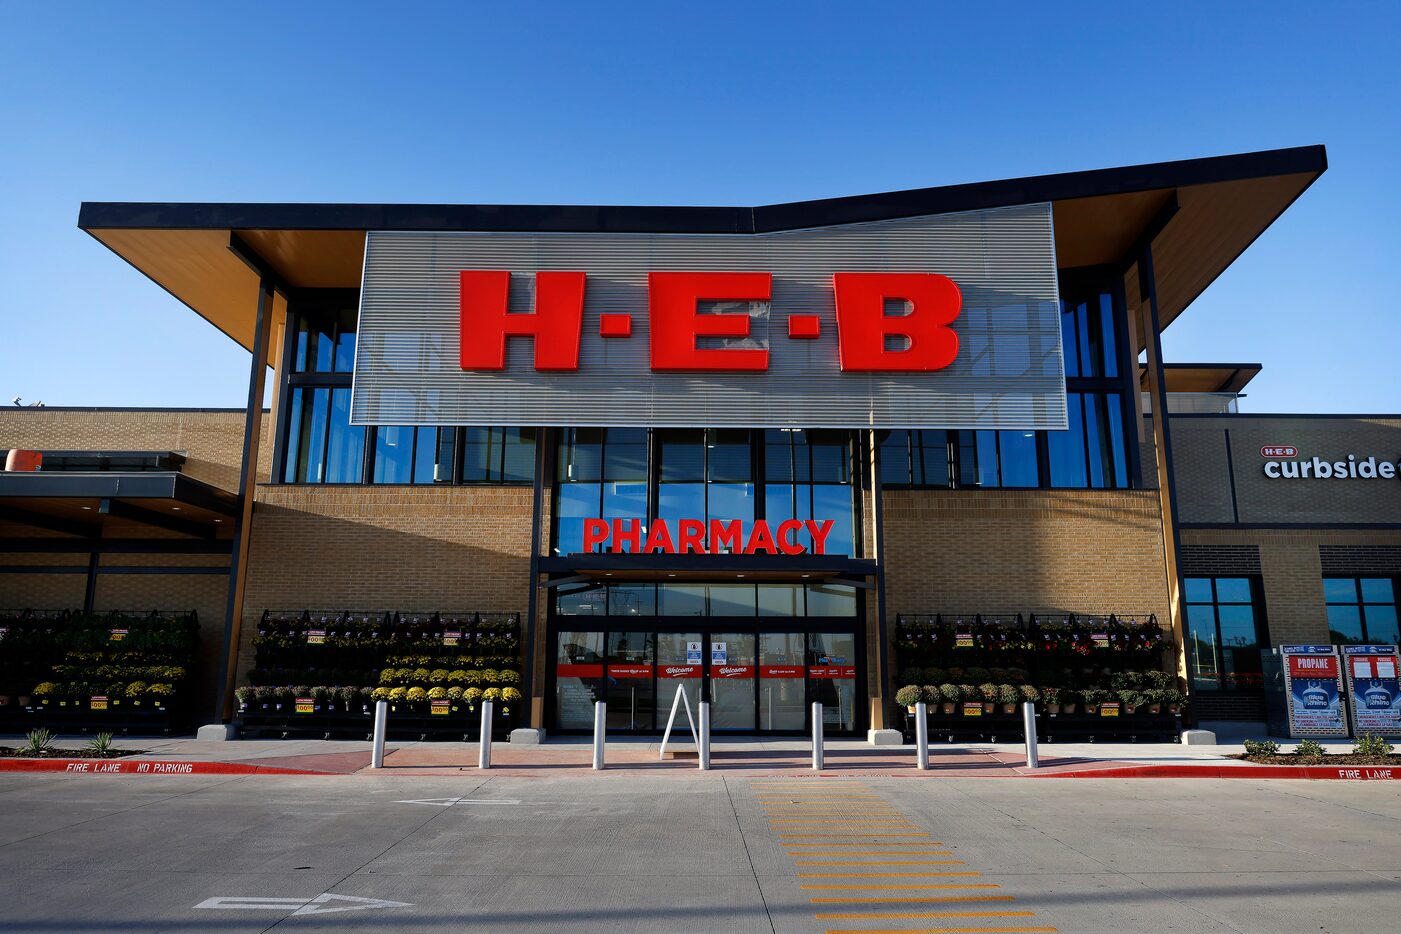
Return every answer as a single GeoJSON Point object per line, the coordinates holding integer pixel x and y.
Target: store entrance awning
{"type": "Point", "coordinates": [604, 566]}
{"type": "Point", "coordinates": [105, 504]}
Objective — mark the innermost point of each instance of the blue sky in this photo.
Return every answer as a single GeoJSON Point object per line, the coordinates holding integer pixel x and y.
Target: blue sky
{"type": "Point", "coordinates": [709, 103]}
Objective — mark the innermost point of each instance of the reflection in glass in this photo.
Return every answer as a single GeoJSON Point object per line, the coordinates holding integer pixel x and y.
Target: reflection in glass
{"type": "Point", "coordinates": [394, 451]}
{"type": "Point", "coordinates": [781, 683]}
{"type": "Point", "coordinates": [578, 678]}
{"type": "Point", "coordinates": [826, 652]}
{"type": "Point", "coordinates": [629, 680]}
{"type": "Point", "coordinates": [732, 683]}
{"type": "Point", "coordinates": [345, 446]}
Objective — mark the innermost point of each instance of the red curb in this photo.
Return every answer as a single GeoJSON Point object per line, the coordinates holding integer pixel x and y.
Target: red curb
{"type": "Point", "coordinates": [144, 767]}
{"type": "Point", "coordinates": [1344, 773]}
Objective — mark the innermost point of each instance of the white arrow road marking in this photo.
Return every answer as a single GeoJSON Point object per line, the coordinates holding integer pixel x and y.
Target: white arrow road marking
{"type": "Point", "coordinates": [300, 906]}
{"type": "Point", "coordinates": [449, 802]}
{"type": "Point", "coordinates": [361, 904]}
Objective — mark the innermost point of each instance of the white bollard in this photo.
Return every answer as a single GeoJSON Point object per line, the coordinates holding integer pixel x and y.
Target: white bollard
{"type": "Point", "coordinates": [1029, 720]}
{"type": "Point", "coordinates": [600, 715]}
{"type": "Point", "coordinates": [484, 746]}
{"type": "Point", "coordinates": [817, 735]}
{"type": "Point", "coordinates": [381, 721]}
{"type": "Point", "coordinates": [921, 735]}
{"type": "Point", "coordinates": [704, 754]}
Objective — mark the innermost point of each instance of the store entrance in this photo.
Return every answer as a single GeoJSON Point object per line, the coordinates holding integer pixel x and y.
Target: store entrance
{"type": "Point", "coordinates": [756, 680]}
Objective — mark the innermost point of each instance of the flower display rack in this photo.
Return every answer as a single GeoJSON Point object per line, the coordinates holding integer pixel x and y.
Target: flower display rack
{"type": "Point", "coordinates": [122, 672]}
{"type": "Point", "coordinates": [319, 673]}
{"type": "Point", "coordinates": [1091, 677]}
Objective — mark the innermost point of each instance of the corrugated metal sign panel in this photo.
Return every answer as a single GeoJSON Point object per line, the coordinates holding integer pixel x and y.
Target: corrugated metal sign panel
{"type": "Point", "coordinates": [1008, 373]}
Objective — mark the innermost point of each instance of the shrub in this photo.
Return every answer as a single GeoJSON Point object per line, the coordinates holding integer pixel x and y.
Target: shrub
{"type": "Point", "coordinates": [929, 693]}
{"type": "Point", "coordinates": [136, 689]}
{"type": "Point", "coordinates": [1016, 675]}
{"type": "Point", "coordinates": [419, 675]}
{"type": "Point", "coordinates": [1369, 744]}
{"type": "Point", "coordinates": [1132, 699]}
{"type": "Point", "coordinates": [1051, 695]}
{"type": "Point", "coordinates": [320, 694]}
{"type": "Point", "coordinates": [438, 692]}
{"type": "Point", "coordinates": [347, 696]}
{"type": "Point", "coordinates": [491, 676]}
{"type": "Point", "coordinates": [415, 695]}
{"type": "Point", "coordinates": [455, 693]}
{"type": "Point", "coordinates": [38, 743]}
{"type": "Point", "coordinates": [908, 696]}
{"type": "Point", "coordinates": [471, 696]}
{"type": "Point", "coordinates": [509, 696]}
{"type": "Point", "coordinates": [1007, 694]}
{"type": "Point", "coordinates": [508, 676]}
{"type": "Point", "coordinates": [951, 692]}
{"type": "Point", "coordinates": [491, 694]}
{"type": "Point", "coordinates": [1029, 693]}
{"type": "Point", "coordinates": [1310, 749]}
{"type": "Point", "coordinates": [397, 695]}
{"type": "Point", "coordinates": [380, 694]}
{"type": "Point", "coordinates": [1160, 679]}
{"type": "Point", "coordinates": [437, 675]}
{"type": "Point", "coordinates": [911, 675]}
{"type": "Point", "coordinates": [979, 675]}
{"type": "Point", "coordinates": [45, 689]}
{"type": "Point", "coordinates": [101, 745]}
{"type": "Point", "coordinates": [1261, 747]}
{"type": "Point", "coordinates": [935, 675]}
{"type": "Point", "coordinates": [987, 692]}
{"type": "Point", "coordinates": [389, 676]}
{"type": "Point", "coordinates": [245, 695]}
{"type": "Point", "coordinates": [457, 676]}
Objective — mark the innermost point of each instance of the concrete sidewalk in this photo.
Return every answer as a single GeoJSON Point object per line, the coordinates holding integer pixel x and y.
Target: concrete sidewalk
{"type": "Point", "coordinates": [568, 755]}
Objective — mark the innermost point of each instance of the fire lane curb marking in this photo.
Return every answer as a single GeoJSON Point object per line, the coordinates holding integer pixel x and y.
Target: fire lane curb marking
{"type": "Point", "coordinates": [146, 767]}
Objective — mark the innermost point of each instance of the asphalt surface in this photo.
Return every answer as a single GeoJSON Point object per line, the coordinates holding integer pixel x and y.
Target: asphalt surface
{"type": "Point", "coordinates": [619, 853]}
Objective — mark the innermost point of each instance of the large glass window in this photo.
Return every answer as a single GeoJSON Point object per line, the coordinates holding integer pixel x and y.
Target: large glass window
{"type": "Point", "coordinates": [498, 455]}
{"type": "Point", "coordinates": [1361, 610]}
{"type": "Point", "coordinates": [707, 599]}
{"type": "Point", "coordinates": [1089, 337]}
{"type": "Point", "coordinates": [808, 475]}
{"type": "Point", "coordinates": [324, 341]}
{"type": "Point", "coordinates": [1225, 633]}
{"type": "Point", "coordinates": [600, 473]}
{"type": "Point", "coordinates": [1091, 452]}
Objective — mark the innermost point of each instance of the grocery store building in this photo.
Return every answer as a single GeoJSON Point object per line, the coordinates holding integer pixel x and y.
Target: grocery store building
{"type": "Point", "coordinates": [725, 448]}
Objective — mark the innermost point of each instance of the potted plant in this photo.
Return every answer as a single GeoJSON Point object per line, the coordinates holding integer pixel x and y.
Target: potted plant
{"type": "Point", "coordinates": [245, 696]}
{"type": "Point", "coordinates": [949, 697]}
{"type": "Point", "coordinates": [1153, 697]}
{"type": "Point", "coordinates": [1028, 694]}
{"type": "Point", "coordinates": [987, 693]}
{"type": "Point", "coordinates": [1068, 699]}
{"type": "Point", "coordinates": [1132, 700]}
{"type": "Point", "coordinates": [1050, 699]}
{"type": "Point", "coordinates": [1174, 699]}
{"type": "Point", "coordinates": [1093, 697]}
{"type": "Point", "coordinates": [908, 696]}
{"type": "Point", "coordinates": [509, 696]}
{"type": "Point", "coordinates": [1008, 696]}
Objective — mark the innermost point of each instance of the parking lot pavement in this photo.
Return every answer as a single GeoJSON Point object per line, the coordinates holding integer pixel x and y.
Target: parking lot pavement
{"type": "Point", "coordinates": [653, 853]}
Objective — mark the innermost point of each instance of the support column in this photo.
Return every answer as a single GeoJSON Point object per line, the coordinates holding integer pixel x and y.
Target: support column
{"type": "Point", "coordinates": [533, 688]}
{"type": "Point", "coordinates": [90, 591]}
{"type": "Point", "coordinates": [247, 486]}
{"type": "Point", "coordinates": [1149, 325]}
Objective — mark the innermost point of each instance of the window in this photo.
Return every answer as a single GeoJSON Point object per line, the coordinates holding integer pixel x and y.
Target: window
{"type": "Point", "coordinates": [808, 475]}
{"type": "Point", "coordinates": [403, 454]}
{"type": "Point", "coordinates": [498, 455]}
{"type": "Point", "coordinates": [1225, 635]}
{"type": "Point", "coordinates": [1091, 452]}
{"type": "Point", "coordinates": [916, 458]}
{"type": "Point", "coordinates": [325, 341]}
{"type": "Point", "coordinates": [322, 445]}
{"type": "Point", "coordinates": [724, 600]}
{"type": "Point", "coordinates": [1089, 337]}
{"type": "Point", "coordinates": [600, 473]}
{"type": "Point", "coordinates": [1361, 610]}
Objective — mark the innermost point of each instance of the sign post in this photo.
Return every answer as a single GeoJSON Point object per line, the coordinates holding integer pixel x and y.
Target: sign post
{"type": "Point", "coordinates": [1373, 689]}
{"type": "Point", "coordinates": [484, 745]}
{"type": "Point", "coordinates": [1313, 690]}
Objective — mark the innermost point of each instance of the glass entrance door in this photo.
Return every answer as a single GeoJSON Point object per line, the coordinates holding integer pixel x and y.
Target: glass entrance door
{"type": "Point", "coordinates": [578, 678]}
{"type": "Point", "coordinates": [832, 677]}
{"type": "Point", "coordinates": [680, 663]}
{"type": "Point", "coordinates": [732, 670]}
{"type": "Point", "coordinates": [630, 696]}
{"type": "Point", "coordinates": [782, 705]}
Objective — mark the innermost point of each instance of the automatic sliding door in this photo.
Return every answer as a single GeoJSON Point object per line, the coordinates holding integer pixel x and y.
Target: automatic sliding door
{"type": "Point", "coordinates": [578, 678]}
{"type": "Point", "coordinates": [630, 690]}
{"type": "Point", "coordinates": [680, 661]}
{"type": "Point", "coordinates": [781, 684]}
{"type": "Point", "coordinates": [832, 677]}
{"type": "Point", "coordinates": [732, 669]}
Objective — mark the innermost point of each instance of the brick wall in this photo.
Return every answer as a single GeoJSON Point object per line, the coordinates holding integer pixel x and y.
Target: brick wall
{"type": "Point", "coordinates": [210, 439]}
{"type": "Point", "coordinates": [1052, 551]}
{"type": "Point", "coordinates": [387, 548]}
{"type": "Point", "coordinates": [1219, 560]}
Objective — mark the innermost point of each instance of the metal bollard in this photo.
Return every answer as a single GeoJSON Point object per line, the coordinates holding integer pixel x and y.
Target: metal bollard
{"type": "Point", "coordinates": [704, 752]}
{"type": "Point", "coordinates": [484, 746]}
{"type": "Point", "coordinates": [817, 735]}
{"type": "Point", "coordinates": [1029, 721]}
{"type": "Point", "coordinates": [600, 715]}
{"type": "Point", "coordinates": [921, 735]}
{"type": "Point", "coordinates": [381, 721]}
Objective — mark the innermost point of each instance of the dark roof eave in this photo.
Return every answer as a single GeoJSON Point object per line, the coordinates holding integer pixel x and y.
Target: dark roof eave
{"type": "Point", "coordinates": [657, 219]}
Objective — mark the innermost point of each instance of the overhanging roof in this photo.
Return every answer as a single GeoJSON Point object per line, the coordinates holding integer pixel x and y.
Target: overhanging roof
{"type": "Point", "coordinates": [1204, 377]}
{"type": "Point", "coordinates": [96, 504]}
{"type": "Point", "coordinates": [1224, 203]}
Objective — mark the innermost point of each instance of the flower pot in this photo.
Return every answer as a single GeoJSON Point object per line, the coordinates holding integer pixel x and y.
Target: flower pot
{"type": "Point", "coordinates": [947, 706]}
{"type": "Point", "coordinates": [1092, 709]}
{"type": "Point", "coordinates": [1053, 708]}
{"type": "Point", "coordinates": [1155, 708]}
{"type": "Point", "coordinates": [1175, 708]}
{"type": "Point", "coordinates": [1129, 711]}
{"type": "Point", "coordinates": [910, 710]}
{"type": "Point", "coordinates": [989, 707]}
{"type": "Point", "coordinates": [4, 700]}
{"type": "Point", "coordinates": [1009, 708]}
{"type": "Point", "coordinates": [1067, 708]}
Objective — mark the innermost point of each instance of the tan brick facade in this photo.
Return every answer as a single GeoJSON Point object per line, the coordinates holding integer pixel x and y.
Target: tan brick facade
{"type": "Point", "coordinates": [1006, 551]}
{"type": "Point", "coordinates": [377, 548]}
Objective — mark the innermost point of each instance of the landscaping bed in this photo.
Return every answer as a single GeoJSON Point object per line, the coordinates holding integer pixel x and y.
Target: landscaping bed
{"type": "Point", "coordinates": [14, 752]}
{"type": "Point", "coordinates": [1367, 750]}
{"type": "Point", "coordinates": [1344, 758]}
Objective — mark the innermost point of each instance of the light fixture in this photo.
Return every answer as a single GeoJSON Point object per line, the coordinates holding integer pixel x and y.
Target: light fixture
{"type": "Point", "coordinates": [217, 521]}
{"type": "Point", "coordinates": [175, 508]}
{"type": "Point", "coordinates": [89, 508]}
{"type": "Point", "coordinates": [739, 575]}
{"type": "Point", "coordinates": [807, 575]}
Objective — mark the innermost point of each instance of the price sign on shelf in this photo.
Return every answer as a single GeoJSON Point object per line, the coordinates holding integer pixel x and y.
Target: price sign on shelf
{"type": "Point", "coordinates": [452, 636]}
{"type": "Point", "coordinates": [1110, 709]}
{"type": "Point", "coordinates": [1100, 640]}
{"type": "Point", "coordinates": [305, 705]}
{"type": "Point", "coordinates": [438, 708]}
{"type": "Point", "coordinates": [963, 640]}
{"type": "Point", "coordinates": [97, 703]}
{"type": "Point", "coordinates": [315, 636]}
{"type": "Point", "coordinates": [116, 635]}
